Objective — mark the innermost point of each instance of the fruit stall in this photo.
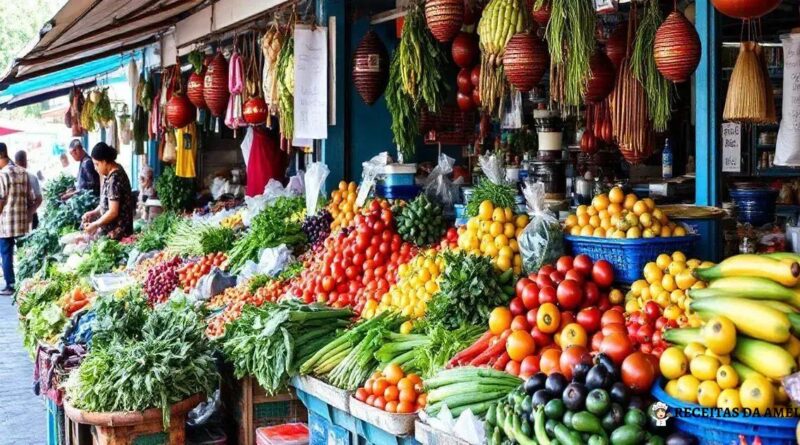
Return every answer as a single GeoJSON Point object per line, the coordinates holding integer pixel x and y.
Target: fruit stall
{"type": "Point", "coordinates": [518, 264]}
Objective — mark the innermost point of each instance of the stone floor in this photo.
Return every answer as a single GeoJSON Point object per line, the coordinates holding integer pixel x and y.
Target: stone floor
{"type": "Point", "coordinates": [23, 419]}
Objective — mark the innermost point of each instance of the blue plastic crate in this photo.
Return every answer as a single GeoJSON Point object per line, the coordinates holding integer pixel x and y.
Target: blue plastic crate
{"type": "Point", "coordinates": [629, 256]}
{"type": "Point", "coordinates": [726, 430]}
{"type": "Point", "coordinates": [55, 423]}
{"type": "Point", "coordinates": [323, 432]}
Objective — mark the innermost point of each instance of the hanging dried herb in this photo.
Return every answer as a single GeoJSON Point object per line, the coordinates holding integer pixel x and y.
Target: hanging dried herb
{"type": "Point", "coordinates": [140, 136]}
{"type": "Point", "coordinates": [643, 65]}
{"type": "Point", "coordinates": [102, 112]}
{"type": "Point", "coordinates": [285, 75]}
{"type": "Point", "coordinates": [420, 59]}
{"type": "Point", "coordinates": [87, 116]}
{"type": "Point", "coordinates": [405, 119]}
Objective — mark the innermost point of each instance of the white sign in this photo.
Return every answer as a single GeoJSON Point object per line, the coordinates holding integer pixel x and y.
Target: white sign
{"type": "Point", "coordinates": [787, 149]}
{"type": "Point", "coordinates": [310, 82]}
{"type": "Point", "coordinates": [732, 147]}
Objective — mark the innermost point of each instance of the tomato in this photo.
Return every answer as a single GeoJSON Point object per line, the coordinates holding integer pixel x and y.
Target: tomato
{"type": "Point", "coordinates": [327, 284]}
{"type": "Point", "coordinates": [516, 306]}
{"type": "Point", "coordinates": [661, 322]}
{"type": "Point", "coordinates": [499, 320]}
{"type": "Point", "coordinates": [541, 338]}
{"type": "Point", "coordinates": [351, 273]}
{"type": "Point", "coordinates": [583, 264]}
{"type": "Point", "coordinates": [548, 319]}
{"type": "Point", "coordinates": [520, 286]}
{"type": "Point", "coordinates": [637, 372]}
{"type": "Point", "coordinates": [519, 345]}
{"type": "Point", "coordinates": [557, 277]}
{"type": "Point", "coordinates": [573, 334]}
{"type": "Point", "coordinates": [361, 393]}
{"type": "Point", "coordinates": [547, 269]}
{"type": "Point", "coordinates": [589, 318]}
{"type": "Point", "coordinates": [603, 274]}
{"type": "Point", "coordinates": [547, 295]}
{"type": "Point", "coordinates": [591, 293]}
{"type": "Point", "coordinates": [529, 294]}
{"type": "Point", "coordinates": [652, 310]}
{"type": "Point", "coordinates": [645, 334]}
{"type": "Point", "coordinates": [543, 280]}
{"type": "Point", "coordinates": [519, 323]}
{"type": "Point", "coordinates": [617, 346]}
{"type": "Point", "coordinates": [550, 361]}
{"type": "Point", "coordinates": [530, 316]}
{"type": "Point", "coordinates": [572, 356]}
{"type": "Point", "coordinates": [612, 316]}
{"type": "Point", "coordinates": [569, 294]}
{"type": "Point", "coordinates": [574, 275]}
{"type": "Point", "coordinates": [512, 367]}
{"type": "Point", "coordinates": [614, 327]}
{"type": "Point", "coordinates": [597, 339]}
{"type": "Point", "coordinates": [529, 366]}
{"type": "Point", "coordinates": [657, 338]}
{"type": "Point", "coordinates": [564, 264]}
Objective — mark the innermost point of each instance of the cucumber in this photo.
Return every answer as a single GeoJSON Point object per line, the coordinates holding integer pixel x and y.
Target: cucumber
{"type": "Point", "coordinates": [628, 435]}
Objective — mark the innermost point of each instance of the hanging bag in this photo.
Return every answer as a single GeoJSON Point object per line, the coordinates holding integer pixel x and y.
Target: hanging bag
{"type": "Point", "coordinates": [542, 241]}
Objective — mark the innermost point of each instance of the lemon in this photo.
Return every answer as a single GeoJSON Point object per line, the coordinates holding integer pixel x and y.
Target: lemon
{"type": "Point", "coordinates": [575, 231]}
{"type": "Point", "coordinates": [652, 273]}
{"type": "Point", "coordinates": [505, 251]}
{"type": "Point", "coordinates": [509, 214]}
{"type": "Point", "coordinates": [668, 283]}
{"type": "Point", "coordinates": [679, 231]}
{"type": "Point", "coordinates": [633, 233]}
{"type": "Point", "coordinates": [693, 263]}
{"type": "Point", "coordinates": [581, 210]}
{"type": "Point", "coordinates": [648, 233]}
{"type": "Point", "coordinates": [630, 201]}
{"type": "Point", "coordinates": [719, 335]}
{"type": "Point", "coordinates": [599, 233]}
{"type": "Point", "coordinates": [509, 230]}
{"type": "Point", "coordinates": [616, 195]}
{"type": "Point", "coordinates": [704, 367]}
{"type": "Point", "coordinates": [673, 363]}
{"type": "Point", "coordinates": [676, 267]}
{"type": "Point", "coordinates": [503, 263]}
{"type": "Point", "coordinates": [666, 232]}
{"type": "Point", "coordinates": [687, 388]}
{"type": "Point", "coordinates": [685, 280]}
{"type": "Point", "coordinates": [638, 285]}
{"type": "Point", "coordinates": [708, 393]}
{"type": "Point", "coordinates": [486, 210]}
{"type": "Point", "coordinates": [522, 220]}
{"type": "Point", "coordinates": [618, 234]}
{"type": "Point", "coordinates": [729, 399]}
{"type": "Point", "coordinates": [594, 221]}
{"type": "Point", "coordinates": [499, 215]}
{"type": "Point", "coordinates": [671, 388]}
{"type": "Point", "coordinates": [645, 220]}
{"type": "Point", "coordinates": [587, 230]}
{"type": "Point", "coordinates": [756, 393]}
{"type": "Point", "coordinates": [639, 208]}
{"type": "Point", "coordinates": [727, 377]}
{"type": "Point", "coordinates": [660, 216]}
{"type": "Point", "coordinates": [693, 349]}
{"type": "Point", "coordinates": [615, 296]}
{"type": "Point", "coordinates": [495, 228]}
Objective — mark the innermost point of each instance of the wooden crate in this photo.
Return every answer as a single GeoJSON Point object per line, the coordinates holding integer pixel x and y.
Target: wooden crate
{"type": "Point", "coordinates": [77, 433]}
{"type": "Point", "coordinates": [255, 409]}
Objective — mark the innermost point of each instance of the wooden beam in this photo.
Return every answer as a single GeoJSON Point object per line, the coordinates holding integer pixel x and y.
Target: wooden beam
{"type": "Point", "coordinates": [77, 19]}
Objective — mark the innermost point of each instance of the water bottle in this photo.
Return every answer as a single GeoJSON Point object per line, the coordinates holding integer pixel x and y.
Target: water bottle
{"type": "Point", "coordinates": [666, 161]}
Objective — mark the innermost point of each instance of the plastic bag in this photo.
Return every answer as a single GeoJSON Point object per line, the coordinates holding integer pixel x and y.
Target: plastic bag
{"type": "Point", "coordinates": [247, 145]}
{"type": "Point", "coordinates": [438, 186]}
{"type": "Point", "coordinates": [313, 179]}
{"type": "Point", "coordinates": [218, 187]}
{"type": "Point", "coordinates": [542, 240]}
{"type": "Point", "coordinates": [204, 413]}
{"type": "Point", "coordinates": [492, 166]}
{"type": "Point", "coordinates": [271, 262]}
{"type": "Point", "coordinates": [296, 185]}
{"type": "Point", "coordinates": [372, 169]}
{"type": "Point", "coordinates": [213, 283]}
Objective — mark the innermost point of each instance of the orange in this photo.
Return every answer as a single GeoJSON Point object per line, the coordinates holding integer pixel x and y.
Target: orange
{"type": "Point", "coordinates": [630, 200]}
{"type": "Point", "coordinates": [549, 362]}
{"type": "Point", "coordinates": [499, 320]}
{"type": "Point", "coordinates": [379, 386]}
{"type": "Point", "coordinates": [415, 379]}
{"type": "Point", "coordinates": [379, 403]}
{"type": "Point", "coordinates": [391, 394]}
{"type": "Point", "coordinates": [519, 345]}
{"type": "Point", "coordinates": [393, 373]}
{"type": "Point", "coordinates": [422, 400]}
{"type": "Point", "coordinates": [405, 384]}
{"type": "Point", "coordinates": [408, 396]}
{"type": "Point", "coordinates": [600, 202]}
{"type": "Point", "coordinates": [616, 195]}
{"type": "Point", "coordinates": [406, 407]}
{"type": "Point", "coordinates": [368, 385]}
{"type": "Point", "coordinates": [391, 407]}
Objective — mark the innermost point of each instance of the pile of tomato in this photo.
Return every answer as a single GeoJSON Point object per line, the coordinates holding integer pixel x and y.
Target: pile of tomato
{"type": "Point", "coordinates": [191, 273]}
{"type": "Point", "coordinates": [357, 263]}
{"type": "Point", "coordinates": [393, 391]}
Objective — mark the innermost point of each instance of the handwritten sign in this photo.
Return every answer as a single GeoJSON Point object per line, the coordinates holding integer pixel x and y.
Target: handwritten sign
{"type": "Point", "coordinates": [787, 149]}
{"type": "Point", "coordinates": [732, 147]}
{"type": "Point", "coordinates": [310, 82]}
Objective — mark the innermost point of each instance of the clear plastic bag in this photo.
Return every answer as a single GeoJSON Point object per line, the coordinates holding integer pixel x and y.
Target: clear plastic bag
{"type": "Point", "coordinates": [542, 240]}
{"type": "Point", "coordinates": [314, 178]}
{"type": "Point", "coordinates": [214, 283]}
{"type": "Point", "coordinates": [438, 186]}
{"type": "Point", "coordinates": [271, 261]}
{"type": "Point", "coordinates": [493, 167]}
{"type": "Point", "coordinates": [372, 169]}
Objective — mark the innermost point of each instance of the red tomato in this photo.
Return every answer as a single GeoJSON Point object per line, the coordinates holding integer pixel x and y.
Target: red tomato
{"type": "Point", "coordinates": [547, 295]}
{"type": "Point", "coordinates": [652, 310]}
{"type": "Point", "coordinates": [638, 372]}
{"type": "Point", "coordinates": [597, 339]}
{"type": "Point", "coordinates": [530, 294]}
{"type": "Point", "coordinates": [543, 280]}
{"type": "Point", "coordinates": [519, 323]}
{"type": "Point", "coordinates": [591, 293]}
{"type": "Point", "coordinates": [572, 356]}
{"type": "Point", "coordinates": [657, 337]}
{"type": "Point", "coordinates": [567, 317]}
{"type": "Point", "coordinates": [327, 284]}
{"type": "Point", "coordinates": [612, 316]}
{"type": "Point", "coordinates": [557, 277]}
{"type": "Point", "coordinates": [614, 327]}
{"type": "Point", "coordinates": [530, 316]}
{"type": "Point", "coordinates": [516, 306]}
{"type": "Point", "coordinates": [589, 318]}
{"type": "Point", "coordinates": [617, 346]}
{"type": "Point", "coordinates": [547, 269]}
{"type": "Point", "coordinates": [603, 274]}
{"type": "Point", "coordinates": [529, 366]}
{"type": "Point", "coordinates": [520, 286]}
{"type": "Point", "coordinates": [540, 338]}
{"type": "Point", "coordinates": [513, 367]}
{"type": "Point", "coordinates": [644, 334]}
{"type": "Point", "coordinates": [604, 304]}
{"type": "Point", "coordinates": [661, 322]}
{"type": "Point", "coordinates": [569, 294]}
{"type": "Point", "coordinates": [583, 264]}
{"type": "Point", "coordinates": [564, 264]}
{"type": "Point", "coordinates": [573, 274]}
{"type": "Point", "coordinates": [351, 272]}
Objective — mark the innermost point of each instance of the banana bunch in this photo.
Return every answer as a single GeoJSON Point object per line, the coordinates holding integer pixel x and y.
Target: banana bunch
{"type": "Point", "coordinates": [233, 221]}
{"type": "Point", "coordinates": [501, 19]}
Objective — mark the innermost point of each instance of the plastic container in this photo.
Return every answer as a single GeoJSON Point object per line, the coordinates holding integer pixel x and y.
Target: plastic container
{"type": "Point", "coordinates": [704, 221]}
{"type": "Point", "coordinates": [756, 205]}
{"type": "Point", "coordinates": [399, 174]}
{"type": "Point", "coordinates": [717, 430]}
{"type": "Point", "coordinates": [286, 434]}
{"type": "Point", "coordinates": [404, 192]}
{"type": "Point", "coordinates": [629, 256]}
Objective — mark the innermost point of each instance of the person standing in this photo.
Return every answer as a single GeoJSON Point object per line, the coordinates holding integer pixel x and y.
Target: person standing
{"type": "Point", "coordinates": [16, 199]}
{"type": "Point", "coordinates": [21, 159]}
{"type": "Point", "coordinates": [88, 179]}
{"type": "Point", "coordinates": [113, 217]}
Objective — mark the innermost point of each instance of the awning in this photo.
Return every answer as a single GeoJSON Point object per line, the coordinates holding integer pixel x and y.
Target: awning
{"type": "Point", "coordinates": [85, 30]}
{"type": "Point", "coordinates": [4, 131]}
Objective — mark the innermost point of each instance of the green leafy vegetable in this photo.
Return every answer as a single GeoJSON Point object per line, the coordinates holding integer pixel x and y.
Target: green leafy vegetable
{"type": "Point", "coordinates": [428, 352]}
{"type": "Point", "coordinates": [196, 239]}
{"type": "Point", "coordinates": [119, 318]}
{"type": "Point", "coordinates": [501, 195]}
{"type": "Point", "coordinates": [104, 255]}
{"type": "Point", "coordinates": [175, 193]}
{"type": "Point", "coordinates": [155, 235]}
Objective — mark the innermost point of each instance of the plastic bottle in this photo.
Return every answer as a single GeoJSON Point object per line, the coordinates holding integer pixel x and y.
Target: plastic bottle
{"type": "Point", "coordinates": [666, 160]}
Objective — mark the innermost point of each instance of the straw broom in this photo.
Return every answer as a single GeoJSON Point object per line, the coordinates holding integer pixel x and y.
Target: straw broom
{"type": "Point", "coordinates": [769, 93]}
{"type": "Point", "coordinates": [746, 99]}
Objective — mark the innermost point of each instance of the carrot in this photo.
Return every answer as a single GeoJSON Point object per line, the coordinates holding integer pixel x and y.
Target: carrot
{"type": "Point", "coordinates": [476, 348]}
{"type": "Point", "coordinates": [502, 362]}
{"type": "Point", "coordinates": [493, 351]}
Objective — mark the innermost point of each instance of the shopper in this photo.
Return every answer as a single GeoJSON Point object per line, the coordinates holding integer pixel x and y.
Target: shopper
{"type": "Point", "coordinates": [88, 179]}
{"type": "Point", "coordinates": [114, 216]}
{"type": "Point", "coordinates": [16, 199]}
{"type": "Point", "coordinates": [21, 159]}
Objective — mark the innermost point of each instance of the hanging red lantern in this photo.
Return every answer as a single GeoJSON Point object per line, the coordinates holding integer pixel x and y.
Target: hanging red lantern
{"type": "Point", "coordinates": [525, 61]}
{"type": "Point", "coordinates": [745, 9]}
{"type": "Point", "coordinates": [215, 86]}
{"type": "Point", "coordinates": [465, 50]}
{"type": "Point", "coordinates": [180, 111]}
{"type": "Point", "coordinates": [254, 111]}
{"type": "Point", "coordinates": [370, 68]}
{"type": "Point", "coordinates": [617, 44]}
{"type": "Point", "coordinates": [194, 89]}
{"type": "Point", "coordinates": [602, 77]}
{"type": "Point", "coordinates": [542, 15]}
{"type": "Point", "coordinates": [676, 48]}
{"type": "Point", "coordinates": [444, 18]}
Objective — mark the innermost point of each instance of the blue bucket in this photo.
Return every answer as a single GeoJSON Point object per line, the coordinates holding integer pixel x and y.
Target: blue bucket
{"type": "Point", "coordinates": [718, 430]}
{"type": "Point", "coordinates": [404, 192]}
{"type": "Point", "coordinates": [755, 205]}
{"type": "Point", "coordinates": [628, 256]}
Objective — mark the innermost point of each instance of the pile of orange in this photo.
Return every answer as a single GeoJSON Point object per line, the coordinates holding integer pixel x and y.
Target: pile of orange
{"type": "Point", "coordinates": [343, 205]}
{"type": "Point", "coordinates": [393, 391]}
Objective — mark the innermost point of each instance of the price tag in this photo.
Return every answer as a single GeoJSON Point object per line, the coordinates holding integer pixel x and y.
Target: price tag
{"type": "Point", "coordinates": [732, 147]}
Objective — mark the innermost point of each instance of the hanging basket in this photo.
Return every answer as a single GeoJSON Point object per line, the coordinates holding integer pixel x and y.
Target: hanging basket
{"type": "Point", "coordinates": [254, 111]}
{"type": "Point", "coordinates": [370, 68]}
{"type": "Point", "coordinates": [745, 9]}
{"type": "Point", "coordinates": [602, 77]}
{"type": "Point", "coordinates": [676, 48]}
{"type": "Point", "coordinates": [525, 61]}
{"type": "Point", "coordinates": [444, 18]}
{"type": "Point", "coordinates": [180, 111]}
{"type": "Point", "coordinates": [617, 44]}
{"type": "Point", "coordinates": [194, 89]}
{"type": "Point", "coordinates": [215, 86]}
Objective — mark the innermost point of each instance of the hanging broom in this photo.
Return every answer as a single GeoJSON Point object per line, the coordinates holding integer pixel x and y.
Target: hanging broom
{"type": "Point", "coordinates": [769, 93]}
{"type": "Point", "coordinates": [746, 99]}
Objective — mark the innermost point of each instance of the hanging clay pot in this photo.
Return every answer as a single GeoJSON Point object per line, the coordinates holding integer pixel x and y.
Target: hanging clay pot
{"type": "Point", "coordinates": [525, 61]}
{"type": "Point", "coordinates": [194, 89]}
{"type": "Point", "coordinates": [444, 18]}
{"type": "Point", "coordinates": [676, 48]}
{"type": "Point", "coordinates": [215, 86]}
{"type": "Point", "coordinates": [617, 44]}
{"type": "Point", "coordinates": [370, 68]}
{"type": "Point", "coordinates": [254, 111]}
{"type": "Point", "coordinates": [602, 77]}
{"type": "Point", "coordinates": [180, 111]}
{"type": "Point", "coordinates": [465, 50]}
{"type": "Point", "coordinates": [745, 9]}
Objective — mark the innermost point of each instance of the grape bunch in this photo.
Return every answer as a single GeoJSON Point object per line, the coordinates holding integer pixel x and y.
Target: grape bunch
{"type": "Point", "coordinates": [318, 227]}
{"type": "Point", "coordinates": [161, 280]}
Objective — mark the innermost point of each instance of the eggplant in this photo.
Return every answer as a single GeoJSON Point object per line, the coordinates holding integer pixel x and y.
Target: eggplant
{"type": "Point", "coordinates": [637, 402]}
{"type": "Point", "coordinates": [535, 383]}
{"type": "Point", "coordinates": [679, 438]}
{"type": "Point", "coordinates": [614, 418]}
{"type": "Point", "coordinates": [579, 372]}
{"type": "Point", "coordinates": [620, 394]}
{"type": "Point", "coordinates": [596, 377]}
{"type": "Point", "coordinates": [541, 397]}
{"type": "Point", "coordinates": [603, 359]}
{"type": "Point", "coordinates": [556, 383]}
{"type": "Point", "coordinates": [574, 396]}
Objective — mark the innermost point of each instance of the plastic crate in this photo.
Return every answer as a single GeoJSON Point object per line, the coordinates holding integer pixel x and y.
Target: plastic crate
{"type": "Point", "coordinates": [726, 430]}
{"type": "Point", "coordinates": [255, 409]}
{"type": "Point", "coordinates": [323, 432]}
{"type": "Point", "coordinates": [629, 256]}
{"type": "Point", "coordinates": [55, 423]}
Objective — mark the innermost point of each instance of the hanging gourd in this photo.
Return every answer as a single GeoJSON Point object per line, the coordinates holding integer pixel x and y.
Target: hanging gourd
{"type": "Point", "coordinates": [465, 50]}
{"type": "Point", "coordinates": [541, 15]}
{"type": "Point", "coordinates": [602, 77]}
{"type": "Point", "coordinates": [745, 9]}
{"type": "Point", "coordinates": [617, 44]}
{"type": "Point", "coordinates": [525, 61]}
{"type": "Point", "coordinates": [215, 86]}
{"type": "Point", "coordinates": [676, 48]}
{"type": "Point", "coordinates": [370, 68]}
{"type": "Point", "coordinates": [444, 18]}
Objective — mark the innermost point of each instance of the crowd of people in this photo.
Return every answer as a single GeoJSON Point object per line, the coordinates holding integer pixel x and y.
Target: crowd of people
{"type": "Point", "coordinates": [21, 197]}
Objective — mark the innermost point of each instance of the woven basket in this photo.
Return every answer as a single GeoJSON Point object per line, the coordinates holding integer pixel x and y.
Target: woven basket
{"type": "Point", "coordinates": [444, 18]}
{"type": "Point", "coordinates": [617, 44]}
{"type": "Point", "coordinates": [525, 61]}
{"type": "Point", "coordinates": [676, 48]}
{"type": "Point", "coordinates": [370, 68]}
{"type": "Point", "coordinates": [215, 86]}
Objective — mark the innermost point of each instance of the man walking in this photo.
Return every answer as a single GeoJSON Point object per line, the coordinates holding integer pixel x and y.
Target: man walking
{"type": "Point", "coordinates": [16, 199]}
{"type": "Point", "coordinates": [21, 159]}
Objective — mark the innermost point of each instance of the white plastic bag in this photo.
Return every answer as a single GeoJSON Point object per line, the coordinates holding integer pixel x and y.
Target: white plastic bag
{"type": "Point", "coordinates": [271, 262]}
{"type": "Point", "coordinates": [218, 186]}
{"type": "Point", "coordinates": [492, 166]}
{"type": "Point", "coordinates": [372, 169]}
{"type": "Point", "coordinates": [296, 185]}
{"type": "Point", "coordinates": [438, 186]}
{"type": "Point", "coordinates": [211, 284]}
{"type": "Point", "coordinates": [542, 240]}
{"type": "Point", "coordinates": [247, 145]}
{"type": "Point", "coordinates": [787, 150]}
{"type": "Point", "coordinates": [314, 178]}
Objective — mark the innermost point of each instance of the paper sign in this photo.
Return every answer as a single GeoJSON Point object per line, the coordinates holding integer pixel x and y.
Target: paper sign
{"type": "Point", "coordinates": [732, 147]}
{"type": "Point", "coordinates": [310, 82]}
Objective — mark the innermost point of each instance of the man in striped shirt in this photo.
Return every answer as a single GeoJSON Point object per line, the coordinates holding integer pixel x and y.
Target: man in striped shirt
{"type": "Point", "coordinates": [16, 203]}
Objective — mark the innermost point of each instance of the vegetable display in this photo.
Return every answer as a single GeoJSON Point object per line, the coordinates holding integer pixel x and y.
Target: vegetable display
{"type": "Point", "coordinates": [476, 389]}
{"type": "Point", "coordinates": [104, 255]}
{"type": "Point", "coordinates": [154, 236]}
{"type": "Point", "coordinates": [161, 280]}
{"type": "Point", "coordinates": [195, 239]}
{"type": "Point", "coordinates": [176, 194]}
{"type": "Point", "coordinates": [393, 391]}
{"type": "Point", "coordinates": [421, 222]}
